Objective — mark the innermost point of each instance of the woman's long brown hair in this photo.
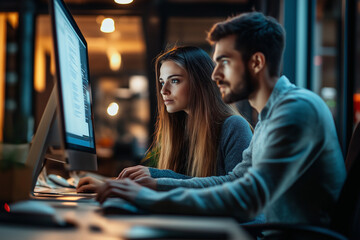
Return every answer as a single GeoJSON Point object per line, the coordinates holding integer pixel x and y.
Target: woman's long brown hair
{"type": "Point", "coordinates": [188, 143]}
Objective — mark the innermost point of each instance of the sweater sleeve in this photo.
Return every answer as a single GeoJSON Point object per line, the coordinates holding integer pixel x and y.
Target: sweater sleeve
{"type": "Point", "coordinates": [166, 173]}
{"type": "Point", "coordinates": [228, 199]}
{"type": "Point", "coordinates": [235, 138]}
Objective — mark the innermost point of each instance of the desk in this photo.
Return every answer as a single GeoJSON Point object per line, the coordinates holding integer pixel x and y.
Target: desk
{"type": "Point", "coordinates": [85, 215]}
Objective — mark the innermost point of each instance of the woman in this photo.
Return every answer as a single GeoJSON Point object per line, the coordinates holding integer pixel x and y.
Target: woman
{"type": "Point", "coordinates": [197, 134]}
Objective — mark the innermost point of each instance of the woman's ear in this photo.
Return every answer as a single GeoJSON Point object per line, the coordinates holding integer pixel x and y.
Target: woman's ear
{"type": "Point", "coordinates": [257, 62]}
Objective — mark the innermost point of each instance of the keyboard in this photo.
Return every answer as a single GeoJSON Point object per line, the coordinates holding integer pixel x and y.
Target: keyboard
{"type": "Point", "coordinates": [61, 191]}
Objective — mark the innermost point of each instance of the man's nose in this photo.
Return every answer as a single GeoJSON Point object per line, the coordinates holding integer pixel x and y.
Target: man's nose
{"type": "Point", "coordinates": [215, 76]}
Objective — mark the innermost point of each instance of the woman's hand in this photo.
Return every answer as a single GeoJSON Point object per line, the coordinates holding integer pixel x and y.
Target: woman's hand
{"type": "Point", "coordinates": [139, 174]}
{"type": "Point", "coordinates": [135, 172]}
{"type": "Point", "coordinates": [123, 188]}
{"type": "Point", "coordinates": [88, 184]}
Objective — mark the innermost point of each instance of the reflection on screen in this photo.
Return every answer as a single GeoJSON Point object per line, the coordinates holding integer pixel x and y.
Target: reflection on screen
{"type": "Point", "coordinates": [74, 82]}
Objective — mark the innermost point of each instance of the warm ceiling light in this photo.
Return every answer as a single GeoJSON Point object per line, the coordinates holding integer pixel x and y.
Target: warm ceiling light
{"type": "Point", "coordinates": [123, 1]}
{"type": "Point", "coordinates": [114, 59]}
{"type": "Point", "coordinates": [107, 25]}
{"type": "Point", "coordinates": [113, 109]}
{"type": "Point", "coordinates": [138, 84]}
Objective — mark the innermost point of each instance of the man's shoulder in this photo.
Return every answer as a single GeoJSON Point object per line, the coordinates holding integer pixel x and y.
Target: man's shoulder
{"type": "Point", "coordinates": [300, 102]}
{"type": "Point", "coordinates": [302, 97]}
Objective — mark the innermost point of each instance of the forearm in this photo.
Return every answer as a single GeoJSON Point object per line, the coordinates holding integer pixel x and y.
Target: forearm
{"type": "Point", "coordinates": [229, 199]}
{"type": "Point", "coordinates": [166, 173]}
{"type": "Point", "coordinates": [165, 184]}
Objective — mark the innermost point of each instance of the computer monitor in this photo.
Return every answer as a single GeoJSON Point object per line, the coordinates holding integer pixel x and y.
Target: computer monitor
{"type": "Point", "coordinates": [67, 122]}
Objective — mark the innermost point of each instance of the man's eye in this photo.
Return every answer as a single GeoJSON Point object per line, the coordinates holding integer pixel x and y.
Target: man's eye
{"type": "Point", "coordinates": [225, 62]}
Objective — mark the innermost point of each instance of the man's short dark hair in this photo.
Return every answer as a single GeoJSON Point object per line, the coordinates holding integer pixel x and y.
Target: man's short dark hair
{"type": "Point", "coordinates": [254, 33]}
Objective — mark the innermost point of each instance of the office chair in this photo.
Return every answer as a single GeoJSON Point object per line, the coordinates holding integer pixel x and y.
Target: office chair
{"type": "Point", "coordinates": [345, 219]}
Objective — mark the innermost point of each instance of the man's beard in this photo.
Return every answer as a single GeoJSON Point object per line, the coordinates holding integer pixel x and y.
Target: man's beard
{"type": "Point", "coordinates": [243, 92]}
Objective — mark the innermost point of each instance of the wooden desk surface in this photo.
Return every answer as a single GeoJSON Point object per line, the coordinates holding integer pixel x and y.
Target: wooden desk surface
{"type": "Point", "coordinates": [91, 224]}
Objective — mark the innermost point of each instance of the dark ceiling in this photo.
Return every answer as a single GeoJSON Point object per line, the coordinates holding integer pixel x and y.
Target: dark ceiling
{"type": "Point", "coordinates": [167, 7]}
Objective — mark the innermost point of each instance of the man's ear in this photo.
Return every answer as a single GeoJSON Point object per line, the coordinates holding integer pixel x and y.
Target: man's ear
{"type": "Point", "coordinates": [257, 62]}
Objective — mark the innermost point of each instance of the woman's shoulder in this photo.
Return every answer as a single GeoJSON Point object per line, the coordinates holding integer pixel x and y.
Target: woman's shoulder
{"type": "Point", "coordinates": [235, 121]}
{"type": "Point", "coordinates": [236, 125]}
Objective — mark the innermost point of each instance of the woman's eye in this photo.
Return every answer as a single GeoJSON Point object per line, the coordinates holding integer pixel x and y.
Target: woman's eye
{"type": "Point", "coordinates": [225, 62]}
{"type": "Point", "coordinates": [174, 80]}
{"type": "Point", "coordinates": [162, 83]}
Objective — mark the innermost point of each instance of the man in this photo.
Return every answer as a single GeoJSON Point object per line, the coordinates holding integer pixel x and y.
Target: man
{"type": "Point", "coordinates": [298, 169]}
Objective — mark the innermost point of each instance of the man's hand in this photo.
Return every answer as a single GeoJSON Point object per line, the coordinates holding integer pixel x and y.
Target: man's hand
{"type": "Point", "coordinates": [88, 184]}
{"type": "Point", "coordinates": [134, 173]}
{"type": "Point", "coordinates": [124, 188]}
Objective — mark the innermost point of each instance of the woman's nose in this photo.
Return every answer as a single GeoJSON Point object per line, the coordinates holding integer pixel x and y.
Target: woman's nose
{"type": "Point", "coordinates": [164, 89]}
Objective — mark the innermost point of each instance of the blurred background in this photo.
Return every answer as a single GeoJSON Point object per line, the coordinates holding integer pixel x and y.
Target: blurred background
{"type": "Point", "coordinates": [125, 36]}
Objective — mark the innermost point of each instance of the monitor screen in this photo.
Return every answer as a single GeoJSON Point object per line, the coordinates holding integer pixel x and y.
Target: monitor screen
{"type": "Point", "coordinates": [73, 81]}
{"type": "Point", "coordinates": [67, 121]}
